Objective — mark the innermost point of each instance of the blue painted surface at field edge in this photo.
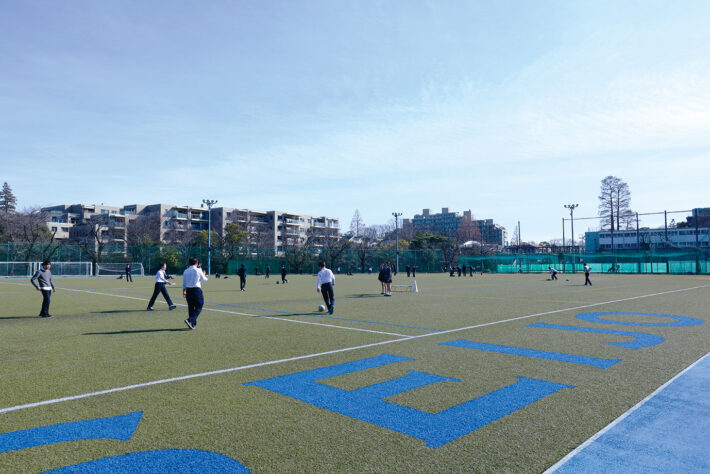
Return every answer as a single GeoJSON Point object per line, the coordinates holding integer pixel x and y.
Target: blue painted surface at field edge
{"type": "Point", "coordinates": [116, 427]}
{"type": "Point", "coordinates": [159, 462]}
{"type": "Point", "coordinates": [669, 433]}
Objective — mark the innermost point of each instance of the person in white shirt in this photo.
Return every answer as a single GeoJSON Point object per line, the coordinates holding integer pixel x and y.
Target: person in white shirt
{"type": "Point", "coordinates": [553, 273]}
{"type": "Point", "coordinates": [587, 269]}
{"type": "Point", "coordinates": [192, 291]}
{"type": "Point", "coordinates": [324, 286]}
{"type": "Point", "coordinates": [161, 279]}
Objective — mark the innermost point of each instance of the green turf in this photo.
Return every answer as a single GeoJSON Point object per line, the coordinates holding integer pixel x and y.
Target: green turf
{"type": "Point", "coordinates": [101, 338]}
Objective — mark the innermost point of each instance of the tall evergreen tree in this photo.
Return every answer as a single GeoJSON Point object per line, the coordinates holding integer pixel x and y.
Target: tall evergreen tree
{"type": "Point", "coordinates": [8, 201]}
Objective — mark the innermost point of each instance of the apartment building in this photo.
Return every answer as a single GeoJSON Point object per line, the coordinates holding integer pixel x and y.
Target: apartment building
{"type": "Point", "coordinates": [276, 229]}
{"type": "Point", "coordinates": [447, 223]}
{"type": "Point", "coordinates": [171, 223]}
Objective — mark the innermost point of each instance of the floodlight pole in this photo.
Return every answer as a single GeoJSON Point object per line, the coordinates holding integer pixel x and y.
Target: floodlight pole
{"type": "Point", "coordinates": [209, 203]}
{"type": "Point", "coordinates": [571, 208]}
{"type": "Point", "coordinates": [396, 238]}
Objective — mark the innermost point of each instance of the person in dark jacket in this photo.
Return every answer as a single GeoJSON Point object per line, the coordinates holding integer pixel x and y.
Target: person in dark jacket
{"type": "Point", "coordinates": [242, 272]}
{"type": "Point", "coordinates": [387, 275]}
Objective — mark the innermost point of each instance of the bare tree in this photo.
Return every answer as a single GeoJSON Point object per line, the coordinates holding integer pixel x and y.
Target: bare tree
{"type": "Point", "coordinates": [95, 238]}
{"type": "Point", "coordinates": [144, 229]}
{"type": "Point", "coordinates": [468, 229]}
{"type": "Point", "coordinates": [30, 228]}
{"type": "Point", "coordinates": [357, 225]}
{"type": "Point", "coordinates": [363, 246]}
{"type": "Point", "coordinates": [332, 248]}
{"type": "Point", "coordinates": [614, 202]}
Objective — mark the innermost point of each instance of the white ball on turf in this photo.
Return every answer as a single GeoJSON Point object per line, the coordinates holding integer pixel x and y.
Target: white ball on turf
{"type": "Point", "coordinates": [321, 308]}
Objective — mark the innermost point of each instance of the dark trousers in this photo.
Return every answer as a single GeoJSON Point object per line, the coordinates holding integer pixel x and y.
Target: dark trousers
{"type": "Point", "coordinates": [587, 280]}
{"type": "Point", "coordinates": [128, 276]}
{"type": "Point", "coordinates": [326, 289]}
{"type": "Point", "coordinates": [242, 283]}
{"type": "Point", "coordinates": [195, 301]}
{"type": "Point", "coordinates": [160, 288]}
{"type": "Point", "coordinates": [46, 297]}
{"type": "Point", "coordinates": [554, 276]}
{"type": "Point", "coordinates": [283, 278]}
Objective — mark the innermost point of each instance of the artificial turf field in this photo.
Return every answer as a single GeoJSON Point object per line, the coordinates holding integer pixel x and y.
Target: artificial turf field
{"type": "Point", "coordinates": [449, 406]}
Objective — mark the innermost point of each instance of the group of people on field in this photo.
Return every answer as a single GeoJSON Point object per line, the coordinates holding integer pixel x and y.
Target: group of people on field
{"type": "Point", "coordinates": [194, 275]}
{"type": "Point", "coordinates": [587, 270]}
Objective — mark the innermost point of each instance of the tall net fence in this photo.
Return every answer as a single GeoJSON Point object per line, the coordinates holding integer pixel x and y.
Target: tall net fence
{"type": "Point", "coordinates": [224, 260]}
{"type": "Point", "coordinates": [671, 261]}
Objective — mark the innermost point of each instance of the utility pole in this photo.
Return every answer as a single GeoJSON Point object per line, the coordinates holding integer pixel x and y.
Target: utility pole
{"type": "Point", "coordinates": [396, 238]}
{"type": "Point", "coordinates": [571, 208]}
{"type": "Point", "coordinates": [209, 203]}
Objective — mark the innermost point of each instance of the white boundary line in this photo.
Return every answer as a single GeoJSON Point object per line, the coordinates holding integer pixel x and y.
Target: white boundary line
{"type": "Point", "coordinates": [242, 314]}
{"type": "Point", "coordinates": [308, 356]}
{"type": "Point", "coordinates": [611, 425]}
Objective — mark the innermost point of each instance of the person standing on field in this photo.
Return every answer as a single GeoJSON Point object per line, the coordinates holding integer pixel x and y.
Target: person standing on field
{"type": "Point", "coordinates": [46, 286]}
{"type": "Point", "coordinates": [161, 279]}
{"type": "Point", "coordinates": [242, 272]}
{"type": "Point", "coordinates": [553, 273]}
{"type": "Point", "coordinates": [387, 275]}
{"type": "Point", "coordinates": [324, 285]}
{"type": "Point", "coordinates": [192, 291]}
{"type": "Point", "coordinates": [587, 269]}
{"type": "Point", "coordinates": [283, 274]}
{"type": "Point", "coordinates": [128, 273]}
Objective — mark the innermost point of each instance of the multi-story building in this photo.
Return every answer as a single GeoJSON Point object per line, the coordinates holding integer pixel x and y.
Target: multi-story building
{"type": "Point", "coordinates": [276, 229]}
{"type": "Point", "coordinates": [448, 223]}
{"type": "Point", "coordinates": [492, 233]}
{"type": "Point", "coordinates": [170, 223]}
{"type": "Point", "coordinates": [693, 233]}
{"type": "Point", "coordinates": [644, 239]}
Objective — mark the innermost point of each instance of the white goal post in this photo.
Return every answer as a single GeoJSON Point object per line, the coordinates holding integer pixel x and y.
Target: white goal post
{"type": "Point", "coordinates": [59, 269]}
{"type": "Point", "coordinates": [118, 270]}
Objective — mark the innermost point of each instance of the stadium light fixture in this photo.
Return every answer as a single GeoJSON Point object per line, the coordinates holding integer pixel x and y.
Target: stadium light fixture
{"type": "Point", "coordinates": [571, 208]}
{"type": "Point", "coordinates": [396, 238]}
{"type": "Point", "coordinates": [209, 203]}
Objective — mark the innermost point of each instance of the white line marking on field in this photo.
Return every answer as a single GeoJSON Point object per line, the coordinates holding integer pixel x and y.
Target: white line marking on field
{"type": "Point", "coordinates": [248, 314]}
{"type": "Point", "coordinates": [308, 356]}
{"type": "Point", "coordinates": [611, 425]}
{"type": "Point", "coordinates": [241, 314]}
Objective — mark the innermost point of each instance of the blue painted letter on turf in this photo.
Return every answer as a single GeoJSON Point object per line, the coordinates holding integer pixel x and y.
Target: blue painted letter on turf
{"type": "Point", "coordinates": [367, 403]}
{"type": "Point", "coordinates": [641, 339]}
{"type": "Point", "coordinates": [115, 427]}
{"type": "Point", "coordinates": [158, 462]}
{"type": "Point", "coordinates": [519, 351]}
{"type": "Point", "coordinates": [679, 320]}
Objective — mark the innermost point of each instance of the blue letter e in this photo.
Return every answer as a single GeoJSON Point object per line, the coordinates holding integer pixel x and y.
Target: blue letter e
{"type": "Point", "coordinates": [367, 403]}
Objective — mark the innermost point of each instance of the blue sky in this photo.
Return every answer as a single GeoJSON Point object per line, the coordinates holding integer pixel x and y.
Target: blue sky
{"type": "Point", "coordinates": [508, 108]}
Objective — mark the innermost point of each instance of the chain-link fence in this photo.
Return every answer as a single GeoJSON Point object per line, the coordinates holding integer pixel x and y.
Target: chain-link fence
{"type": "Point", "coordinates": [669, 261]}
{"type": "Point", "coordinates": [224, 260]}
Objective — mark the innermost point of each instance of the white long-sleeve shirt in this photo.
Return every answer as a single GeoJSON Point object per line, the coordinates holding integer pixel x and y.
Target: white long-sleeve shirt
{"type": "Point", "coordinates": [325, 276]}
{"type": "Point", "coordinates": [192, 277]}
{"type": "Point", "coordinates": [161, 277]}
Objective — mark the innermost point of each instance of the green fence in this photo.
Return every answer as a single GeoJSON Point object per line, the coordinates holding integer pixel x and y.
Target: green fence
{"type": "Point", "coordinates": [668, 261]}
{"type": "Point", "coordinates": [223, 260]}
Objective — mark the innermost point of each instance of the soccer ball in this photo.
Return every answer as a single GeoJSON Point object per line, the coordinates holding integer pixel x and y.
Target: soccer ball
{"type": "Point", "coordinates": [277, 282]}
{"type": "Point", "coordinates": [321, 308]}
